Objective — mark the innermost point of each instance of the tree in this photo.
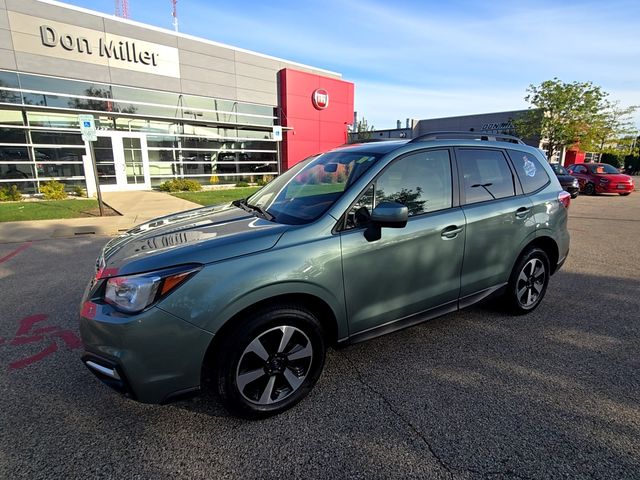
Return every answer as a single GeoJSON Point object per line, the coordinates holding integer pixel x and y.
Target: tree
{"type": "Point", "coordinates": [563, 114]}
{"type": "Point", "coordinates": [363, 130]}
{"type": "Point", "coordinates": [614, 129]}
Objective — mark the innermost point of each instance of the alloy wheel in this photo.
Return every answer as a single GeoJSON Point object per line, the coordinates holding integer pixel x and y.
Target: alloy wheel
{"type": "Point", "coordinates": [530, 283]}
{"type": "Point", "coordinates": [274, 365]}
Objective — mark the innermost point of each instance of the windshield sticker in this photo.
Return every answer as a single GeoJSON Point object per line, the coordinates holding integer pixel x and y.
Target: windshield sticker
{"type": "Point", "coordinates": [529, 167]}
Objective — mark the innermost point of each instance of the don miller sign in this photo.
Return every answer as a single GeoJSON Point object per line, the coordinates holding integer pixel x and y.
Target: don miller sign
{"type": "Point", "coordinates": [65, 42]}
{"type": "Point", "coordinates": [123, 50]}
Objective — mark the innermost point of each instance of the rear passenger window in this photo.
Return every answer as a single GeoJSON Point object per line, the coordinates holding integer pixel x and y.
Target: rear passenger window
{"type": "Point", "coordinates": [531, 174]}
{"type": "Point", "coordinates": [486, 175]}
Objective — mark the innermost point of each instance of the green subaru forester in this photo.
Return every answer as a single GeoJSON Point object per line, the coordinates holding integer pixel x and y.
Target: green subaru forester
{"type": "Point", "coordinates": [345, 246]}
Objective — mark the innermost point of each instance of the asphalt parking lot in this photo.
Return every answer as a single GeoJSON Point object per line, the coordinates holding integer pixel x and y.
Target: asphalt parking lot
{"type": "Point", "coordinates": [476, 394]}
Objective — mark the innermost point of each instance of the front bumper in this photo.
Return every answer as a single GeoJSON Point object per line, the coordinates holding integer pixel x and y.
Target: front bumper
{"type": "Point", "coordinates": [571, 189]}
{"type": "Point", "coordinates": [152, 356]}
{"type": "Point", "coordinates": [615, 188]}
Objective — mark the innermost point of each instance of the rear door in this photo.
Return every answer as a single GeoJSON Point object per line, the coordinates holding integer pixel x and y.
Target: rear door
{"type": "Point", "coordinates": [411, 269]}
{"type": "Point", "coordinates": [498, 220]}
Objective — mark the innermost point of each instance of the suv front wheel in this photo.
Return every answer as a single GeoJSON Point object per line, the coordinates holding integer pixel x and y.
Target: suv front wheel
{"type": "Point", "coordinates": [270, 361]}
{"type": "Point", "coordinates": [528, 281]}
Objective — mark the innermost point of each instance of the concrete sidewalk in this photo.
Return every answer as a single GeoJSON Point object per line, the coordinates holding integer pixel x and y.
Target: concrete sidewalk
{"type": "Point", "coordinates": [134, 208]}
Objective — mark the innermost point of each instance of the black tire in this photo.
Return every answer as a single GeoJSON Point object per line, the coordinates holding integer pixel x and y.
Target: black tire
{"type": "Point", "coordinates": [625, 194]}
{"type": "Point", "coordinates": [527, 283]}
{"type": "Point", "coordinates": [589, 189]}
{"type": "Point", "coordinates": [574, 195]}
{"type": "Point", "coordinates": [255, 376]}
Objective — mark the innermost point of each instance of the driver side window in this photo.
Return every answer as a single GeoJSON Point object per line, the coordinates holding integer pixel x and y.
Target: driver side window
{"type": "Point", "coordinates": [422, 181]}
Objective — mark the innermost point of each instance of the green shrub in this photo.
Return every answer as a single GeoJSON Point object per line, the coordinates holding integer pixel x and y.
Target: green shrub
{"type": "Point", "coordinates": [242, 184]}
{"type": "Point", "coordinates": [10, 194]}
{"type": "Point", "coordinates": [632, 164]}
{"type": "Point", "coordinates": [53, 190]}
{"type": "Point", "coordinates": [612, 159]}
{"type": "Point", "coordinates": [180, 185]}
{"type": "Point", "coordinates": [79, 191]}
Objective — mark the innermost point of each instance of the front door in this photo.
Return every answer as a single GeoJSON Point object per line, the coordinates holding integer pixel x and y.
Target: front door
{"type": "Point", "coordinates": [412, 269]}
{"type": "Point", "coordinates": [122, 161]}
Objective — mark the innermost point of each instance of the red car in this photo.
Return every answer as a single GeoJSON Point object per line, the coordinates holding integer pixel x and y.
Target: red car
{"type": "Point", "coordinates": [601, 178]}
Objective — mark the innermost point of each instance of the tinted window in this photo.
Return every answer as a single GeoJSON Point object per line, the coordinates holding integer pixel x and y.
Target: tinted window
{"type": "Point", "coordinates": [579, 169]}
{"type": "Point", "coordinates": [601, 168]}
{"type": "Point", "coordinates": [486, 175]}
{"type": "Point", "coordinates": [421, 181]}
{"type": "Point", "coordinates": [559, 169]}
{"type": "Point", "coordinates": [532, 175]}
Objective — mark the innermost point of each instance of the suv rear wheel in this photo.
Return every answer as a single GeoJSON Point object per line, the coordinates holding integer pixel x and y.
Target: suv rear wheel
{"type": "Point", "coordinates": [528, 281]}
{"type": "Point", "coordinates": [270, 361]}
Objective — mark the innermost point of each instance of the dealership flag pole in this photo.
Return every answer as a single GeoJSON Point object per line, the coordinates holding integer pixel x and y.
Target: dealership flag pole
{"type": "Point", "coordinates": [88, 129]}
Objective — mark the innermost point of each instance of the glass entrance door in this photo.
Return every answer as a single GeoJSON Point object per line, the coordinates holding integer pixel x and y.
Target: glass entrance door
{"type": "Point", "coordinates": [122, 161]}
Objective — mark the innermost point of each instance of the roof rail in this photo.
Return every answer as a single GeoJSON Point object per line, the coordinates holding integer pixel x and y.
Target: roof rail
{"type": "Point", "coordinates": [487, 137]}
{"type": "Point", "coordinates": [372, 140]}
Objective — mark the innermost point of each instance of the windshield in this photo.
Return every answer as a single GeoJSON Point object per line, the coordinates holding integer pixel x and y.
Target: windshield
{"type": "Point", "coordinates": [559, 169]}
{"type": "Point", "coordinates": [603, 169]}
{"type": "Point", "coordinates": [309, 188]}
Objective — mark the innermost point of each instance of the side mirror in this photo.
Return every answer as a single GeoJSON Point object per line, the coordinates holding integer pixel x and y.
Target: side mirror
{"type": "Point", "coordinates": [331, 168]}
{"type": "Point", "coordinates": [387, 215]}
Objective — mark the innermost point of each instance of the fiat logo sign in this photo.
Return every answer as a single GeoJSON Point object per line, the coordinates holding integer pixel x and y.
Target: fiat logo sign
{"type": "Point", "coordinates": [320, 98]}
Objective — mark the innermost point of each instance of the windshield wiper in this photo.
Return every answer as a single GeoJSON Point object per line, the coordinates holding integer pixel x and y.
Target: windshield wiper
{"type": "Point", "coordinates": [253, 208]}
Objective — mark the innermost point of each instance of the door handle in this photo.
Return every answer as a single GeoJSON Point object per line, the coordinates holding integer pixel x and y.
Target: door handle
{"type": "Point", "coordinates": [523, 212]}
{"type": "Point", "coordinates": [450, 232]}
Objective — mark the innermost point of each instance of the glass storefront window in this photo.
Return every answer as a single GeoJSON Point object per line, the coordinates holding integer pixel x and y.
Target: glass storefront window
{"type": "Point", "coordinates": [46, 170]}
{"type": "Point", "coordinates": [61, 85]}
{"type": "Point", "coordinates": [56, 138]}
{"type": "Point", "coordinates": [15, 154]}
{"type": "Point", "coordinates": [163, 155]}
{"type": "Point", "coordinates": [9, 80]}
{"type": "Point", "coordinates": [11, 117]}
{"type": "Point", "coordinates": [12, 135]}
{"type": "Point", "coordinates": [54, 120]}
{"type": "Point", "coordinates": [65, 154]}
{"type": "Point", "coordinates": [164, 168]}
{"type": "Point", "coordinates": [16, 171]}
{"type": "Point", "coordinates": [24, 186]}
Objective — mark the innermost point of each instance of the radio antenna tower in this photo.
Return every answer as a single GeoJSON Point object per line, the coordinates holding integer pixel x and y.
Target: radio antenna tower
{"type": "Point", "coordinates": [122, 8]}
{"type": "Point", "coordinates": [174, 14]}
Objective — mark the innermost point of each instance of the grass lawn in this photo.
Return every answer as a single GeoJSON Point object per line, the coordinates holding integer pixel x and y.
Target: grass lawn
{"type": "Point", "coordinates": [47, 210]}
{"type": "Point", "coordinates": [211, 197]}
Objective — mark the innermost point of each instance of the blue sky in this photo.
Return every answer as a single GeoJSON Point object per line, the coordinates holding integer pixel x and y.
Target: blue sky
{"type": "Point", "coordinates": [427, 59]}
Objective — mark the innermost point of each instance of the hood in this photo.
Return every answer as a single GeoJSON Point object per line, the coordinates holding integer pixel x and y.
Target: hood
{"type": "Point", "coordinates": [203, 235]}
{"type": "Point", "coordinates": [566, 179]}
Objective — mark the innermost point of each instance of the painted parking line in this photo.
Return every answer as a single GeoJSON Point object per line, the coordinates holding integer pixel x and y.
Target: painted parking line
{"type": "Point", "coordinates": [21, 248]}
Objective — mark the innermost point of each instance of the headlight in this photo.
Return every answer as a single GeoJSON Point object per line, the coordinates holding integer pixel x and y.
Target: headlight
{"type": "Point", "coordinates": [575, 182]}
{"type": "Point", "coordinates": [134, 293]}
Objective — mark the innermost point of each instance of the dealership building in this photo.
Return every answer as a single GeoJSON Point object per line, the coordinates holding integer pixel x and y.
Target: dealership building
{"type": "Point", "coordinates": [495, 123]}
{"type": "Point", "coordinates": [166, 105]}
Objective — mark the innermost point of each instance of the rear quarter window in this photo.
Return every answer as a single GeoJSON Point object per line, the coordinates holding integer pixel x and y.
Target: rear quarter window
{"type": "Point", "coordinates": [531, 173]}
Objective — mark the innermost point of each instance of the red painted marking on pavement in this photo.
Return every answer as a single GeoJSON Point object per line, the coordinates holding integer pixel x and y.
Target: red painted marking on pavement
{"type": "Point", "coordinates": [69, 338]}
{"type": "Point", "coordinates": [25, 340]}
{"type": "Point", "coordinates": [28, 322]}
{"type": "Point", "coordinates": [45, 329]}
{"type": "Point", "coordinates": [21, 248]}
{"type": "Point", "coordinates": [34, 358]}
